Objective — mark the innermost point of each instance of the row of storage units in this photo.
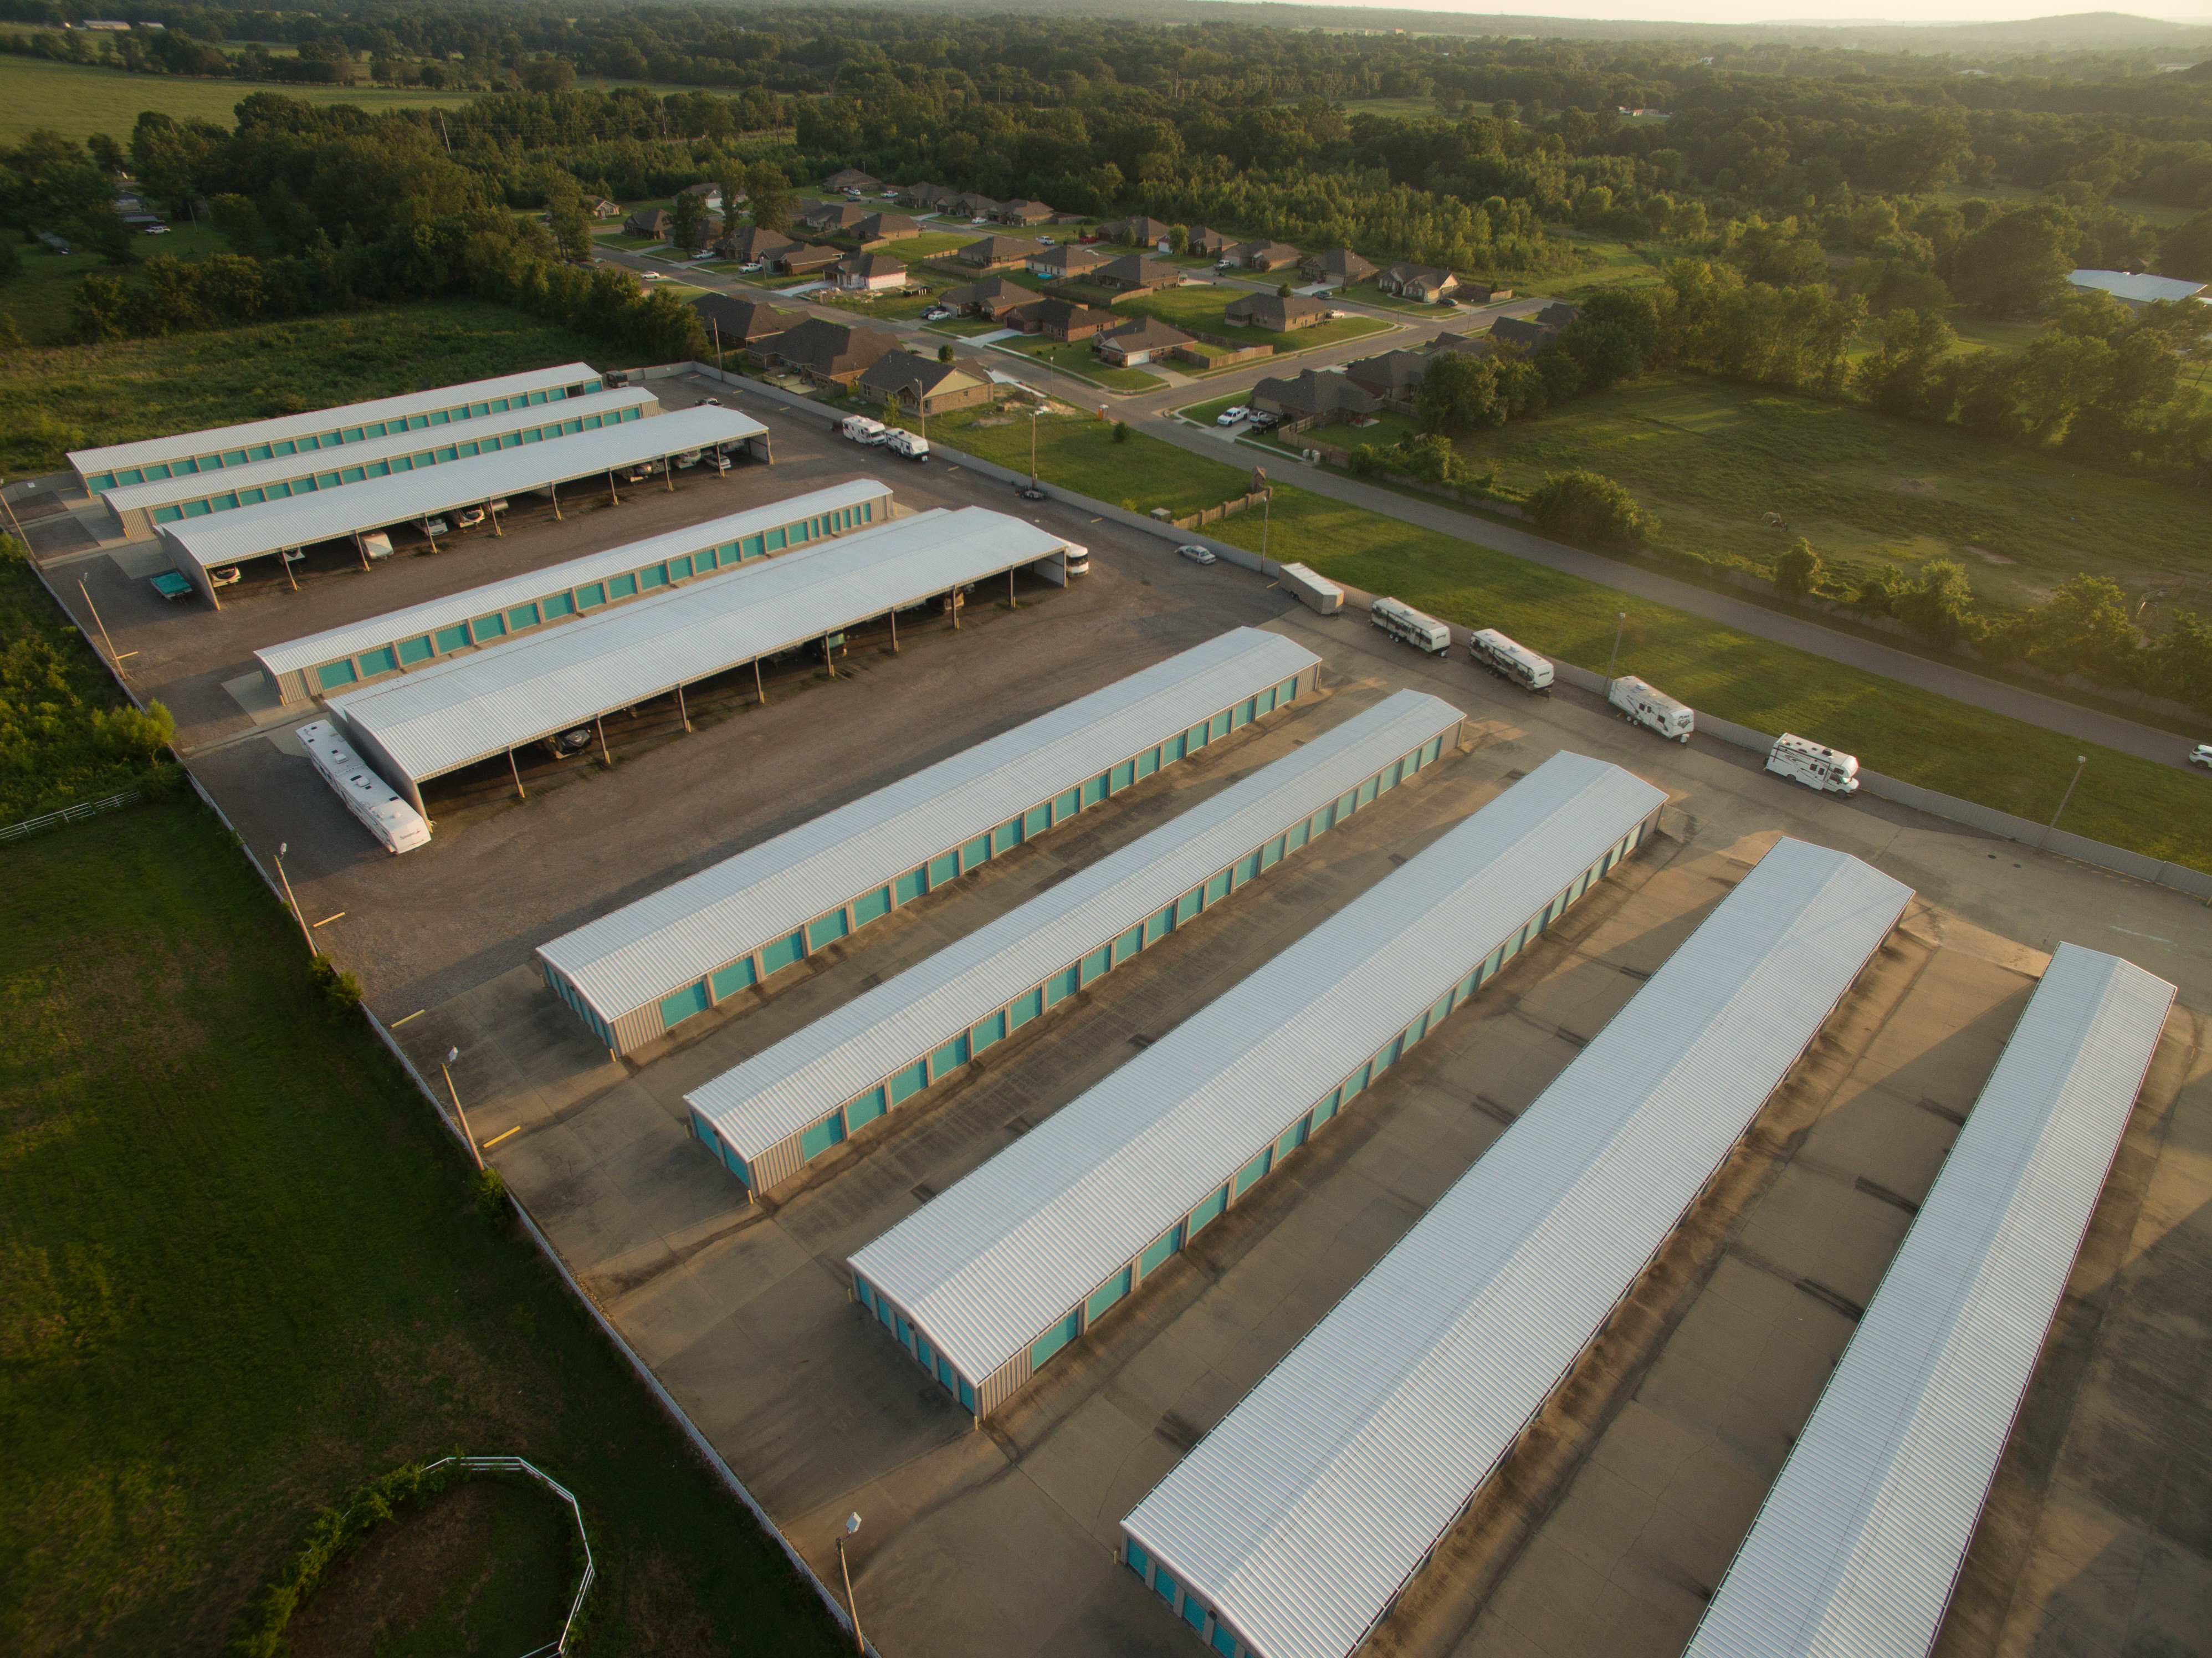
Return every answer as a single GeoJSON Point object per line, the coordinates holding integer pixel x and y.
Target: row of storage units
{"type": "Point", "coordinates": [1293, 1527]}
{"type": "Point", "coordinates": [1862, 1535]}
{"type": "Point", "coordinates": [199, 546]}
{"type": "Point", "coordinates": [998, 1273]}
{"type": "Point", "coordinates": [136, 509]}
{"type": "Point", "coordinates": [636, 973]}
{"type": "Point", "coordinates": [185, 454]}
{"type": "Point", "coordinates": [301, 670]}
{"type": "Point", "coordinates": [484, 705]}
{"type": "Point", "coordinates": [767, 1118]}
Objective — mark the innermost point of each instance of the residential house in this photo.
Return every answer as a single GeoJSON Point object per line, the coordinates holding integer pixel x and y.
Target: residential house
{"type": "Point", "coordinates": [991, 298]}
{"type": "Point", "coordinates": [1020, 213]}
{"type": "Point", "coordinates": [751, 243]}
{"type": "Point", "coordinates": [1139, 232]}
{"type": "Point", "coordinates": [1262, 255]}
{"type": "Point", "coordinates": [651, 221]}
{"type": "Point", "coordinates": [870, 273]}
{"type": "Point", "coordinates": [1133, 273]}
{"type": "Point", "coordinates": [925, 197]}
{"type": "Point", "coordinates": [833, 218]}
{"type": "Point", "coordinates": [827, 353]}
{"type": "Point", "coordinates": [996, 252]}
{"type": "Point", "coordinates": [1535, 333]}
{"type": "Point", "coordinates": [1558, 314]}
{"type": "Point", "coordinates": [1425, 282]}
{"type": "Point", "coordinates": [1481, 294]}
{"type": "Point", "coordinates": [736, 322]}
{"type": "Point", "coordinates": [598, 207]}
{"type": "Point", "coordinates": [1211, 243]}
{"type": "Point", "coordinates": [1274, 310]}
{"type": "Point", "coordinates": [1137, 342]}
{"type": "Point", "coordinates": [879, 228]}
{"type": "Point", "coordinates": [1313, 398]}
{"type": "Point", "coordinates": [974, 206]}
{"type": "Point", "coordinates": [1060, 319]}
{"type": "Point", "coordinates": [851, 177]}
{"type": "Point", "coordinates": [923, 384]}
{"type": "Point", "coordinates": [1338, 267]}
{"type": "Point", "coordinates": [1392, 377]}
{"type": "Point", "coordinates": [804, 258]}
{"type": "Point", "coordinates": [1069, 259]}
{"type": "Point", "coordinates": [1472, 345]}
{"type": "Point", "coordinates": [709, 194]}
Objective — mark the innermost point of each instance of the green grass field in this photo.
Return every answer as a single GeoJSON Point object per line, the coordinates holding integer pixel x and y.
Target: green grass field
{"type": "Point", "coordinates": [72, 396]}
{"type": "Point", "coordinates": [241, 1272]}
{"type": "Point", "coordinates": [1200, 308]}
{"type": "Point", "coordinates": [39, 300]}
{"type": "Point", "coordinates": [77, 101]}
{"type": "Point", "coordinates": [1923, 738]}
{"type": "Point", "coordinates": [1075, 358]}
{"type": "Point", "coordinates": [2157, 213]}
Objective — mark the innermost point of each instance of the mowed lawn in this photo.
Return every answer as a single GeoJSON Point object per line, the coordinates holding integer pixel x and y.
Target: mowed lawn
{"type": "Point", "coordinates": [1711, 459]}
{"type": "Point", "coordinates": [77, 101]}
{"type": "Point", "coordinates": [242, 1270]}
{"type": "Point", "coordinates": [1200, 308]}
{"type": "Point", "coordinates": [1922, 738]}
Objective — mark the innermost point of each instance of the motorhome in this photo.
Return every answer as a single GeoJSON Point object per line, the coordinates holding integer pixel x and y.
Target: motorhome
{"type": "Point", "coordinates": [1402, 622]}
{"type": "Point", "coordinates": [1830, 771]}
{"type": "Point", "coordinates": [862, 430]}
{"type": "Point", "coordinates": [1078, 560]}
{"type": "Point", "coordinates": [1316, 593]}
{"type": "Point", "coordinates": [1490, 649]}
{"type": "Point", "coordinates": [1644, 705]}
{"type": "Point", "coordinates": [397, 825]}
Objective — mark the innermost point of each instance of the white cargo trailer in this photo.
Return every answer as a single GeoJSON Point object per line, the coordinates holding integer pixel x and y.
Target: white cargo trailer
{"type": "Point", "coordinates": [1830, 771]}
{"type": "Point", "coordinates": [1489, 648]}
{"type": "Point", "coordinates": [1415, 627]}
{"type": "Point", "coordinates": [1644, 705]}
{"type": "Point", "coordinates": [397, 825]}
{"type": "Point", "coordinates": [1316, 593]}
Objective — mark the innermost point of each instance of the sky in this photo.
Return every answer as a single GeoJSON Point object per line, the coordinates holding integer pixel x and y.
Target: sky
{"type": "Point", "coordinates": [1814, 11]}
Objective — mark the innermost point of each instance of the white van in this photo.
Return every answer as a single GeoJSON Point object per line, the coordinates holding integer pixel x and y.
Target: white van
{"type": "Point", "coordinates": [1641, 705]}
{"type": "Point", "coordinates": [1402, 622]}
{"type": "Point", "coordinates": [1830, 771]}
{"type": "Point", "coordinates": [1489, 648]}
{"type": "Point", "coordinates": [862, 430]}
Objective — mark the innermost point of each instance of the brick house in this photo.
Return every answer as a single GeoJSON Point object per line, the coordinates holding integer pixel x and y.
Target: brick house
{"type": "Point", "coordinates": [1069, 259]}
{"type": "Point", "coordinates": [1060, 319]}
{"type": "Point", "coordinates": [1133, 273]}
{"type": "Point", "coordinates": [826, 353]}
{"type": "Point", "coordinates": [991, 298]}
{"type": "Point", "coordinates": [1262, 255]}
{"type": "Point", "coordinates": [921, 383]}
{"type": "Point", "coordinates": [870, 273]}
{"type": "Point", "coordinates": [1341, 266]}
{"type": "Point", "coordinates": [1137, 342]}
{"type": "Point", "coordinates": [1274, 310]}
{"type": "Point", "coordinates": [996, 252]}
{"type": "Point", "coordinates": [1425, 282]}
{"type": "Point", "coordinates": [1313, 399]}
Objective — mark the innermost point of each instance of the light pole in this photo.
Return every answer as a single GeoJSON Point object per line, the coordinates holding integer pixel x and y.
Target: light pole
{"type": "Point", "coordinates": [453, 1093]}
{"type": "Point", "coordinates": [852, 1525]}
{"type": "Point", "coordinates": [1617, 629]}
{"type": "Point", "coordinates": [2080, 762]}
{"type": "Point", "coordinates": [292, 903]}
{"type": "Point", "coordinates": [1034, 413]}
{"type": "Point", "coordinates": [1266, 507]}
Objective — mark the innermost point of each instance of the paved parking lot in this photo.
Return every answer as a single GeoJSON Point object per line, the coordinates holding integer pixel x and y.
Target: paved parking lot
{"type": "Point", "coordinates": [1648, 1468]}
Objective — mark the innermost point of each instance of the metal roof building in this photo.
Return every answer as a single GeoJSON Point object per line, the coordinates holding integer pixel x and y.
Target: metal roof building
{"type": "Point", "coordinates": [200, 545]}
{"type": "Point", "coordinates": [635, 973]}
{"type": "Point", "coordinates": [137, 510]}
{"type": "Point", "coordinates": [301, 670]}
{"type": "Point", "coordinates": [998, 1274]}
{"type": "Point", "coordinates": [474, 707]}
{"type": "Point", "coordinates": [1290, 1529]}
{"type": "Point", "coordinates": [768, 1117]}
{"type": "Point", "coordinates": [187, 453]}
{"type": "Point", "coordinates": [1860, 1541]}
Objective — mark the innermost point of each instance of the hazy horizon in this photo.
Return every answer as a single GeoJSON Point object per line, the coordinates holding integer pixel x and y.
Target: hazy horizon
{"type": "Point", "coordinates": [1813, 12]}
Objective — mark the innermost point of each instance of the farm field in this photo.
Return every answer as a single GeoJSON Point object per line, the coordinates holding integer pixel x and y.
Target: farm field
{"type": "Point", "coordinates": [78, 100]}
{"type": "Point", "coordinates": [1201, 309]}
{"type": "Point", "coordinates": [218, 1185]}
{"type": "Point", "coordinates": [1904, 733]}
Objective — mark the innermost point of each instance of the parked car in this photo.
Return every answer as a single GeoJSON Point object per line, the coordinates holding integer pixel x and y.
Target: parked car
{"type": "Point", "coordinates": [1030, 492]}
{"type": "Point", "coordinates": [157, 230]}
{"type": "Point", "coordinates": [437, 526]}
{"type": "Point", "coordinates": [2202, 756]}
{"type": "Point", "coordinates": [1260, 423]}
{"type": "Point", "coordinates": [1233, 415]}
{"type": "Point", "coordinates": [688, 459]}
{"type": "Point", "coordinates": [653, 277]}
{"type": "Point", "coordinates": [470, 517]}
{"type": "Point", "coordinates": [752, 268]}
{"type": "Point", "coordinates": [295, 555]}
{"type": "Point", "coordinates": [561, 744]}
{"type": "Point", "coordinates": [1198, 555]}
{"type": "Point", "coordinates": [710, 403]}
{"type": "Point", "coordinates": [226, 578]}
{"type": "Point", "coordinates": [935, 314]}
{"type": "Point", "coordinates": [719, 462]}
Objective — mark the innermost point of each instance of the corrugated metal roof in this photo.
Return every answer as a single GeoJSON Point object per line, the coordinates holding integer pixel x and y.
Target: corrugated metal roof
{"type": "Point", "coordinates": [676, 936]}
{"type": "Point", "coordinates": [777, 1092]}
{"type": "Point", "coordinates": [251, 531]}
{"type": "Point", "coordinates": [1005, 1252]}
{"type": "Point", "coordinates": [475, 705]}
{"type": "Point", "coordinates": [553, 578]}
{"type": "Point", "coordinates": [1857, 1546]}
{"type": "Point", "coordinates": [1304, 1512]}
{"type": "Point", "coordinates": [259, 474]}
{"type": "Point", "coordinates": [286, 429]}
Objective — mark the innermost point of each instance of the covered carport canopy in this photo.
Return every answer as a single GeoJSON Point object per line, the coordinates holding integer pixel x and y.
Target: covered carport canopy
{"type": "Point", "coordinates": [199, 546]}
{"type": "Point", "coordinates": [479, 707]}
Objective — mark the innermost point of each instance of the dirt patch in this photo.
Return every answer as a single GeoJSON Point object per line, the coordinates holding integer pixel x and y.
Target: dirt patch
{"type": "Point", "coordinates": [1989, 557]}
{"type": "Point", "coordinates": [1914, 487]}
{"type": "Point", "coordinates": [482, 1567]}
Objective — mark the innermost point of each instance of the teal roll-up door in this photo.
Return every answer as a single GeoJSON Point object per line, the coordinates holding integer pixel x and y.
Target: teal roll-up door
{"type": "Point", "coordinates": [909, 1082]}
{"type": "Point", "coordinates": [729, 981]}
{"type": "Point", "coordinates": [1369, 790]}
{"type": "Point", "coordinates": [1134, 1557]}
{"type": "Point", "coordinates": [820, 1138]}
{"type": "Point", "coordinates": [1025, 1008]}
{"type": "Point", "coordinates": [870, 905]}
{"type": "Point", "coordinates": [782, 952]}
{"type": "Point", "coordinates": [1122, 775]}
{"type": "Point", "coordinates": [334, 674]}
{"type": "Point", "coordinates": [1326, 1108]}
{"type": "Point", "coordinates": [1298, 838]}
{"type": "Point", "coordinates": [943, 869]}
{"type": "Point", "coordinates": [951, 1057]}
{"type": "Point", "coordinates": [592, 596]}
{"type": "Point", "coordinates": [1148, 763]}
{"type": "Point", "coordinates": [1292, 1137]}
{"type": "Point", "coordinates": [521, 617]}
{"type": "Point", "coordinates": [1272, 853]}
{"type": "Point", "coordinates": [1106, 1295]}
{"type": "Point", "coordinates": [382, 660]}
{"type": "Point", "coordinates": [992, 1030]}
{"type": "Point", "coordinates": [865, 1109]}
{"type": "Point", "coordinates": [1195, 738]}
{"type": "Point", "coordinates": [1095, 790]}
{"type": "Point", "coordinates": [1252, 1171]}
{"type": "Point", "coordinates": [1154, 1258]}
{"type": "Point", "coordinates": [1187, 906]}
{"type": "Point", "coordinates": [976, 853]}
{"type": "Point", "coordinates": [1160, 925]}
{"type": "Point", "coordinates": [1066, 806]}
{"type": "Point", "coordinates": [623, 587]}
{"type": "Point", "coordinates": [1061, 986]}
{"type": "Point", "coordinates": [1095, 964]}
{"type": "Point", "coordinates": [1248, 869]}
{"type": "Point", "coordinates": [452, 639]}
{"type": "Point", "coordinates": [675, 1009]}
{"type": "Point", "coordinates": [910, 885]}
{"type": "Point", "coordinates": [415, 650]}
{"type": "Point", "coordinates": [1036, 820]}
{"type": "Point", "coordinates": [1217, 888]}
{"type": "Point", "coordinates": [1053, 1340]}
{"type": "Point", "coordinates": [825, 930]}
{"type": "Point", "coordinates": [1205, 1212]}
{"type": "Point", "coordinates": [1005, 837]}
{"type": "Point", "coordinates": [1128, 945]}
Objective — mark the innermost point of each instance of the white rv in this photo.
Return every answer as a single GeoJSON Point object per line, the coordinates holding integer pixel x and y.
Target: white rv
{"type": "Point", "coordinates": [1078, 559]}
{"type": "Point", "coordinates": [1316, 593]}
{"type": "Point", "coordinates": [1830, 771]}
{"type": "Point", "coordinates": [912, 445]}
{"type": "Point", "coordinates": [1489, 648]}
{"type": "Point", "coordinates": [1641, 705]}
{"type": "Point", "coordinates": [1402, 622]}
{"type": "Point", "coordinates": [862, 430]}
{"type": "Point", "coordinates": [395, 823]}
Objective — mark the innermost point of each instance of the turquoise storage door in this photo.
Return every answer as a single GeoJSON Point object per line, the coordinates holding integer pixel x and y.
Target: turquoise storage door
{"type": "Point", "coordinates": [976, 853]}
{"type": "Point", "coordinates": [990, 1030]}
{"type": "Point", "coordinates": [1164, 1586]}
{"type": "Point", "coordinates": [909, 1082]}
{"type": "Point", "coordinates": [1224, 1642]}
{"type": "Point", "coordinates": [675, 1009]}
{"type": "Point", "coordinates": [910, 885]}
{"type": "Point", "coordinates": [737, 975]}
{"type": "Point", "coordinates": [1026, 1008]}
{"type": "Point", "coordinates": [782, 952]}
{"type": "Point", "coordinates": [1148, 763]}
{"type": "Point", "coordinates": [1068, 805]}
{"type": "Point", "coordinates": [1095, 964]}
{"type": "Point", "coordinates": [1205, 1212]}
{"type": "Point", "coordinates": [382, 660]}
{"type": "Point", "coordinates": [1187, 906]}
{"type": "Point", "coordinates": [1061, 986]}
{"type": "Point", "coordinates": [870, 905]}
{"type": "Point", "coordinates": [1134, 1557]}
{"type": "Point", "coordinates": [1293, 1137]}
{"type": "Point", "coordinates": [951, 1057]}
{"type": "Point", "coordinates": [1160, 925]}
{"type": "Point", "coordinates": [1154, 1258]}
{"type": "Point", "coordinates": [1122, 776]}
{"type": "Point", "coordinates": [1005, 837]}
{"type": "Point", "coordinates": [1105, 1296]}
{"type": "Point", "coordinates": [415, 650]}
{"type": "Point", "coordinates": [1248, 869]}
{"type": "Point", "coordinates": [1218, 726]}
{"type": "Point", "coordinates": [1128, 945]}
{"type": "Point", "coordinates": [824, 930]}
{"type": "Point", "coordinates": [1195, 739]}
{"type": "Point", "coordinates": [1036, 820]}
{"type": "Point", "coordinates": [820, 1138]}
{"type": "Point", "coordinates": [1297, 837]}
{"type": "Point", "coordinates": [1252, 1171]}
{"type": "Point", "coordinates": [943, 869]}
{"type": "Point", "coordinates": [1194, 1612]}
{"type": "Point", "coordinates": [864, 1110]}
{"type": "Point", "coordinates": [1217, 888]}
{"type": "Point", "coordinates": [1053, 1340]}
{"type": "Point", "coordinates": [1095, 790]}
{"type": "Point", "coordinates": [1326, 1108]}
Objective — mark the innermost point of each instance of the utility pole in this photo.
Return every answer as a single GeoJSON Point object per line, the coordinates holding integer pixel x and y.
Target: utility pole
{"type": "Point", "coordinates": [2081, 761]}
{"type": "Point", "coordinates": [468, 1133]}
{"type": "Point", "coordinates": [860, 1641]}
{"type": "Point", "coordinates": [1617, 629]}
{"type": "Point", "coordinates": [307, 938]}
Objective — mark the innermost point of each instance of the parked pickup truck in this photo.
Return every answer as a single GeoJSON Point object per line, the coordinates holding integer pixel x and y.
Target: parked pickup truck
{"type": "Point", "coordinates": [172, 586]}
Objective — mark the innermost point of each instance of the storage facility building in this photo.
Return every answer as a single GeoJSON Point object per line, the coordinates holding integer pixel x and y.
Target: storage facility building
{"type": "Point", "coordinates": [1003, 1270]}
{"type": "Point", "coordinates": [187, 453]}
{"type": "Point", "coordinates": [1293, 1527]}
{"type": "Point", "coordinates": [301, 670]}
{"type": "Point", "coordinates": [635, 974]}
{"type": "Point", "coordinates": [765, 1119]}
{"type": "Point", "coordinates": [137, 509]}
{"type": "Point", "coordinates": [1862, 1537]}
{"type": "Point", "coordinates": [199, 545]}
